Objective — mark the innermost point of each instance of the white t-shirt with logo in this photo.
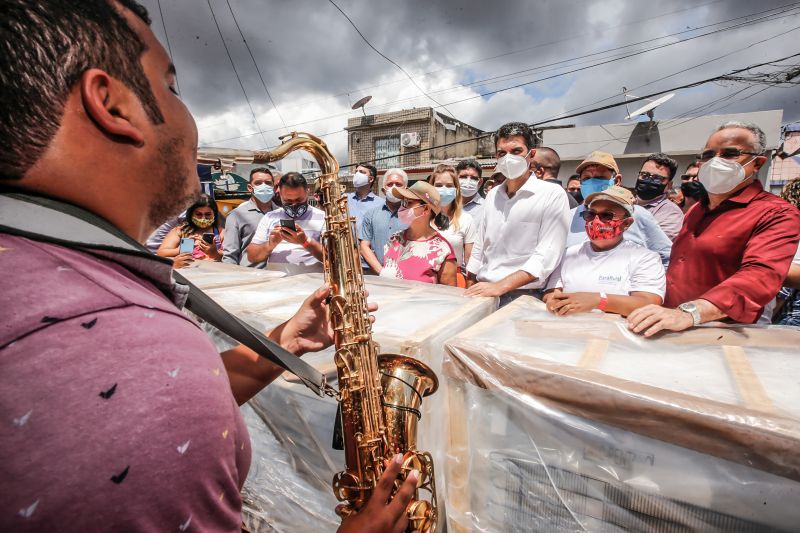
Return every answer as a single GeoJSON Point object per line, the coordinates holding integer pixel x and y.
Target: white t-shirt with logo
{"type": "Point", "coordinates": [626, 268]}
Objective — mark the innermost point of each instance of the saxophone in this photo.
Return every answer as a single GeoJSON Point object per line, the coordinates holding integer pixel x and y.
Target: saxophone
{"type": "Point", "coordinates": [379, 395]}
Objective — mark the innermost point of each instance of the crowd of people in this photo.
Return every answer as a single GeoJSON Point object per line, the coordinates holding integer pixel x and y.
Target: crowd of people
{"type": "Point", "coordinates": [593, 245]}
{"type": "Point", "coordinates": [121, 413]}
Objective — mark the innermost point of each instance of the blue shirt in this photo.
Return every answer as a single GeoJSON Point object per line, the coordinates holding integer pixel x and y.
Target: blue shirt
{"type": "Point", "coordinates": [378, 225]}
{"type": "Point", "coordinates": [644, 231]}
{"type": "Point", "coordinates": [359, 206]}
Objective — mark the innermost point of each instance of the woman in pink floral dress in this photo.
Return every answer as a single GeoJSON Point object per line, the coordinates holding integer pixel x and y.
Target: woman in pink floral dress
{"type": "Point", "coordinates": [420, 253]}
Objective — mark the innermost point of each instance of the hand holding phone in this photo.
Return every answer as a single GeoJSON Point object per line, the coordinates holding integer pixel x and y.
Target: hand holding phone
{"type": "Point", "coordinates": [186, 246]}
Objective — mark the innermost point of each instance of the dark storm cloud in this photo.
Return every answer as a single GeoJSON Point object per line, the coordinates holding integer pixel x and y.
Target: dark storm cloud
{"type": "Point", "coordinates": [308, 53]}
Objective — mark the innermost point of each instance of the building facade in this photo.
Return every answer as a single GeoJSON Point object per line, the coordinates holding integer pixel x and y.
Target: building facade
{"type": "Point", "coordinates": [404, 138]}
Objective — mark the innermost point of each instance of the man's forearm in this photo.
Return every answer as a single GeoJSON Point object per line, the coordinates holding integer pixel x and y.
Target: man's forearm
{"type": "Point", "coordinates": [258, 253]}
{"type": "Point", "coordinates": [708, 311]}
{"type": "Point", "coordinates": [248, 372]}
{"type": "Point", "coordinates": [369, 256]}
{"type": "Point", "coordinates": [314, 248]}
{"type": "Point", "coordinates": [516, 280]}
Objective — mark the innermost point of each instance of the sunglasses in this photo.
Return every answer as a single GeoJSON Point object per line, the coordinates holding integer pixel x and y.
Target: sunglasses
{"type": "Point", "coordinates": [651, 176]}
{"type": "Point", "coordinates": [605, 216]}
{"type": "Point", "coordinates": [725, 153]}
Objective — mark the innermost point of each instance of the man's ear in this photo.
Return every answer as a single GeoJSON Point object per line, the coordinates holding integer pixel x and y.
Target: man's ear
{"type": "Point", "coordinates": [627, 223]}
{"type": "Point", "coordinates": [250, 188]}
{"type": "Point", "coordinates": [758, 162]}
{"type": "Point", "coordinates": [618, 178]}
{"type": "Point", "coordinates": [109, 104]}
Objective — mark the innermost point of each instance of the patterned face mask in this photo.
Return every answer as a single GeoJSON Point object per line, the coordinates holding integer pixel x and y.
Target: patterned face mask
{"type": "Point", "coordinates": [203, 222]}
{"type": "Point", "coordinates": [599, 230]}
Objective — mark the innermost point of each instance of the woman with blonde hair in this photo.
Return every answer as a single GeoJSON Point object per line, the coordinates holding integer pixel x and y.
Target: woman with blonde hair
{"type": "Point", "coordinates": [461, 232]}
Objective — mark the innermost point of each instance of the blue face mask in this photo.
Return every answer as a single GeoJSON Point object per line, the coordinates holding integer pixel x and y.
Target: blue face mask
{"type": "Point", "coordinates": [263, 192]}
{"type": "Point", "coordinates": [446, 195]}
{"type": "Point", "coordinates": [593, 185]}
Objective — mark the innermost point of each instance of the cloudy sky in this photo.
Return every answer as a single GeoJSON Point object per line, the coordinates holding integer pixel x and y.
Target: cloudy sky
{"type": "Point", "coordinates": [315, 64]}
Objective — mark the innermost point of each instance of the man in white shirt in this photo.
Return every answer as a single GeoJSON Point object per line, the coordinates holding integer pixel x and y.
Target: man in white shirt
{"type": "Point", "coordinates": [606, 272]}
{"type": "Point", "coordinates": [522, 232]}
{"type": "Point", "coordinates": [288, 237]}
{"type": "Point", "coordinates": [469, 173]}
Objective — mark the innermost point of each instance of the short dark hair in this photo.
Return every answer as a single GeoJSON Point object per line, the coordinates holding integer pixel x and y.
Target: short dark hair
{"type": "Point", "coordinates": [551, 159]}
{"type": "Point", "coordinates": [514, 129]}
{"type": "Point", "coordinates": [371, 168]}
{"type": "Point", "coordinates": [469, 163]}
{"type": "Point", "coordinates": [45, 47]}
{"type": "Point", "coordinates": [663, 160]}
{"type": "Point", "coordinates": [293, 180]}
{"type": "Point", "coordinates": [262, 170]}
{"type": "Point", "coordinates": [693, 164]}
{"type": "Point", "coordinates": [576, 177]}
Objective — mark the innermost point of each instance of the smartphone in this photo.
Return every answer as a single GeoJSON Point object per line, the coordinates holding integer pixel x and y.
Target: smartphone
{"type": "Point", "coordinates": [186, 246]}
{"type": "Point", "coordinates": [208, 237]}
{"type": "Point", "coordinates": [288, 224]}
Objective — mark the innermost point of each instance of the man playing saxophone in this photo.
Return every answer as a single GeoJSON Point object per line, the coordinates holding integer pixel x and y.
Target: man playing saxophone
{"type": "Point", "coordinates": [120, 416]}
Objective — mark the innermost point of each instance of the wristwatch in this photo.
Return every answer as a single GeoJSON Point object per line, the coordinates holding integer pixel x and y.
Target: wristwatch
{"type": "Point", "coordinates": [692, 309]}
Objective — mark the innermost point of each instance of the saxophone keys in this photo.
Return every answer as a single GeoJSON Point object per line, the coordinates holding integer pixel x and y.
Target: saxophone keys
{"type": "Point", "coordinates": [421, 516]}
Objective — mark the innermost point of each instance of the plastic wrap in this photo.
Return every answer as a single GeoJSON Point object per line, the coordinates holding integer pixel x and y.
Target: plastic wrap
{"type": "Point", "coordinates": [289, 486]}
{"type": "Point", "coordinates": [576, 424]}
{"type": "Point", "coordinates": [211, 274]}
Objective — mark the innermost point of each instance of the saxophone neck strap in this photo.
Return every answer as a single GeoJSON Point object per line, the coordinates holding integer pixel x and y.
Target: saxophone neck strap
{"type": "Point", "coordinates": [47, 220]}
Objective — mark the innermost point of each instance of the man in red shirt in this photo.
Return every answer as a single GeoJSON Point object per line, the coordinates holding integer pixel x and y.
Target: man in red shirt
{"type": "Point", "coordinates": [734, 250]}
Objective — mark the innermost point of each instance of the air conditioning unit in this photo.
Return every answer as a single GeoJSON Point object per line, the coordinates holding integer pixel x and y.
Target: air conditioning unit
{"type": "Point", "coordinates": [409, 140]}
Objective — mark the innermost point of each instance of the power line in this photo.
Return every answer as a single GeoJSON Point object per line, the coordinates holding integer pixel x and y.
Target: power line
{"type": "Point", "coordinates": [222, 38]}
{"type": "Point", "coordinates": [593, 65]}
{"type": "Point", "coordinates": [169, 48]}
{"type": "Point", "coordinates": [684, 70]}
{"type": "Point", "coordinates": [388, 59]}
{"type": "Point", "coordinates": [512, 52]}
{"type": "Point", "coordinates": [594, 110]}
{"type": "Point", "coordinates": [258, 70]}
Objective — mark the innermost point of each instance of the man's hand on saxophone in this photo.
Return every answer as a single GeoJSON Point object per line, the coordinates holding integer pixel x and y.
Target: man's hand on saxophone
{"type": "Point", "coordinates": [379, 516]}
{"type": "Point", "coordinates": [309, 330]}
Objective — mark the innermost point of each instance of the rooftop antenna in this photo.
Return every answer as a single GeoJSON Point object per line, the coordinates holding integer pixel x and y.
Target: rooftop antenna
{"type": "Point", "coordinates": [647, 109]}
{"type": "Point", "coordinates": [361, 103]}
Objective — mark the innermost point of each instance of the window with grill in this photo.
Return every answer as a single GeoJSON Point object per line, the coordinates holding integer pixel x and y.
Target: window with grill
{"type": "Point", "coordinates": [386, 147]}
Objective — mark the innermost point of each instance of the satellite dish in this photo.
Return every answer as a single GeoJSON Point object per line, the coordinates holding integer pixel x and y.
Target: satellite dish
{"type": "Point", "coordinates": [361, 103]}
{"type": "Point", "coordinates": [647, 109]}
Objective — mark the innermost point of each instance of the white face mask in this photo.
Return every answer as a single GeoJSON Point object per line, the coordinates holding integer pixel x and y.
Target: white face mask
{"type": "Point", "coordinates": [360, 179]}
{"type": "Point", "coordinates": [721, 176]}
{"type": "Point", "coordinates": [469, 186]}
{"type": "Point", "coordinates": [512, 166]}
{"type": "Point", "coordinates": [391, 197]}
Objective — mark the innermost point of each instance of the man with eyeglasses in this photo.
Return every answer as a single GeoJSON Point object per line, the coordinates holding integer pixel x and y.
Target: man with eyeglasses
{"type": "Point", "coordinates": [735, 248]}
{"type": "Point", "coordinates": [598, 172]}
{"type": "Point", "coordinates": [606, 272]}
{"type": "Point", "coordinates": [546, 165]}
{"type": "Point", "coordinates": [652, 185]}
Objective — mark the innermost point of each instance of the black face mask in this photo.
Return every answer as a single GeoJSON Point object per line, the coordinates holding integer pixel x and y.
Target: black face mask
{"type": "Point", "coordinates": [577, 195]}
{"type": "Point", "coordinates": [692, 189]}
{"type": "Point", "coordinates": [295, 210]}
{"type": "Point", "coordinates": [647, 189]}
